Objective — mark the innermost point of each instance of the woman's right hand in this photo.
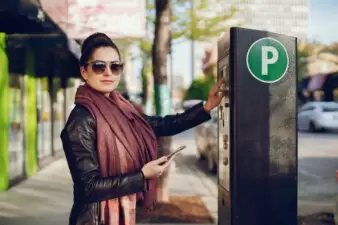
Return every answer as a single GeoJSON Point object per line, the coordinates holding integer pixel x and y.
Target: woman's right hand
{"type": "Point", "coordinates": [155, 168]}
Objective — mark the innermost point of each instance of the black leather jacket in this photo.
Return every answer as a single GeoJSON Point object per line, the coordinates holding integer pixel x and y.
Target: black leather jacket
{"type": "Point", "coordinates": [79, 143]}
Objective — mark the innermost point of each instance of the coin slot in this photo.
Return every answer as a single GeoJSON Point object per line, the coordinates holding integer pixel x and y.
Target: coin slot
{"type": "Point", "coordinates": [225, 161]}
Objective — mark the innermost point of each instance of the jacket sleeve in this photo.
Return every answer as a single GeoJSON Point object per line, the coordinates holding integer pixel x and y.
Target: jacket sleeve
{"type": "Point", "coordinates": [79, 142]}
{"type": "Point", "coordinates": [173, 124]}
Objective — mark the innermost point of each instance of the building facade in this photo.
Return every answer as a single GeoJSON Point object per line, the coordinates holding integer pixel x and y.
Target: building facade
{"type": "Point", "coordinates": [34, 106]}
{"type": "Point", "coordinates": [36, 63]}
{"type": "Point", "coordinates": [289, 17]}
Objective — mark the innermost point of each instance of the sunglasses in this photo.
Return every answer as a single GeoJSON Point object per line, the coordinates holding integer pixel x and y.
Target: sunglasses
{"type": "Point", "coordinates": [100, 67]}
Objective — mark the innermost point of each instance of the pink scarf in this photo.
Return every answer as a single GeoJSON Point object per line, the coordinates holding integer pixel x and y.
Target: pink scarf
{"type": "Point", "coordinates": [125, 142]}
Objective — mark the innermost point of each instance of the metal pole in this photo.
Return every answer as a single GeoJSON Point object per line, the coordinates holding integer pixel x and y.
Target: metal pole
{"type": "Point", "coordinates": [171, 56]}
{"type": "Point", "coordinates": [192, 43]}
{"type": "Point", "coordinates": [171, 72]}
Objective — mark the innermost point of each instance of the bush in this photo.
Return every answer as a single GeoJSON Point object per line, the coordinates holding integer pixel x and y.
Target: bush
{"type": "Point", "coordinates": [199, 88]}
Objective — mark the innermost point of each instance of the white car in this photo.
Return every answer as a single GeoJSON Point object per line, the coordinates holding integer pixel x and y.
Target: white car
{"type": "Point", "coordinates": [318, 116]}
{"type": "Point", "coordinates": [206, 136]}
{"type": "Point", "coordinates": [206, 141]}
{"type": "Point", "coordinates": [190, 103]}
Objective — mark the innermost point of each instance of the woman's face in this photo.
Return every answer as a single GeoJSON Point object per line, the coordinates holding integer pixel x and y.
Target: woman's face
{"type": "Point", "coordinates": [103, 70]}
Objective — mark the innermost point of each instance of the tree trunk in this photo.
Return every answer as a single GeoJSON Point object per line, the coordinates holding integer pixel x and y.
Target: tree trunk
{"type": "Point", "coordinates": [145, 83]}
{"type": "Point", "coordinates": [162, 93]}
{"type": "Point", "coordinates": [159, 55]}
{"type": "Point", "coordinates": [149, 89]}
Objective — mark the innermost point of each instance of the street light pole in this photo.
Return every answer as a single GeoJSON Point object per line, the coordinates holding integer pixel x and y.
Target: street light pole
{"type": "Point", "coordinates": [192, 41]}
{"type": "Point", "coordinates": [171, 57]}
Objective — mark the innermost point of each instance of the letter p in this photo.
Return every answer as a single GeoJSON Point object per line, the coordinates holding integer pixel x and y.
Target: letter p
{"type": "Point", "coordinates": [265, 60]}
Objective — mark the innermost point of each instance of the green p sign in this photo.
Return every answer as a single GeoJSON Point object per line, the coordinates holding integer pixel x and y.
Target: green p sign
{"type": "Point", "coordinates": [267, 60]}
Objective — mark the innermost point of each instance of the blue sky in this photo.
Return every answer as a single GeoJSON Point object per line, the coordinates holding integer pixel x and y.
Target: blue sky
{"type": "Point", "coordinates": [323, 20]}
{"type": "Point", "coordinates": [323, 27]}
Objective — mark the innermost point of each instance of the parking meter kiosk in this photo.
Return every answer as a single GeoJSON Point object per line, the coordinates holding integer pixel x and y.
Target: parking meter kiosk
{"type": "Point", "coordinates": [257, 138]}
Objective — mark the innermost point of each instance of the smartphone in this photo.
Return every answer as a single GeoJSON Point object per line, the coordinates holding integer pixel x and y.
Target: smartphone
{"type": "Point", "coordinates": [176, 151]}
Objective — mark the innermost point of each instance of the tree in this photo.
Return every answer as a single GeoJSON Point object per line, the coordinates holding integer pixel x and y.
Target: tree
{"type": "Point", "coordinates": [333, 49]}
{"type": "Point", "coordinates": [186, 24]}
{"type": "Point", "coordinates": [199, 88]}
{"type": "Point", "coordinates": [201, 23]}
{"type": "Point", "coordinates": [160, 50]}
{"type": "Point", "coordinates": [308, 53]}
{"type": "Point", "coordinates": [145, 47]}
{"type": "Point", "coordinates": [167, 27]}
{"type": "Point", "coordinates": [303, 53]}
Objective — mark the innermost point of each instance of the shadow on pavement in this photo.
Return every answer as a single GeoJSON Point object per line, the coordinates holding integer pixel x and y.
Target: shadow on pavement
{"type": "Point", "coordinates": [317, 187]}
{"type": "Point", "coordinates": [317, 219]}
{"type": "Point", "coordinates": [43, 199]}
{"type": "Point", "coordinates": [193, 163]}
{"type": "Point", "coordinates": [317, 178]}
{"type": "Point", "coordinates": [49, 218]}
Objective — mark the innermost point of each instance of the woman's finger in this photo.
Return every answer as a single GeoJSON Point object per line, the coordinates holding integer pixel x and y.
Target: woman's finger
{"type": "Point", "coordinates": [219, 84]}
{"type": "Point", "coordinates": [166, 164]}
{"type": "Point", "coordinates": [161, 160]}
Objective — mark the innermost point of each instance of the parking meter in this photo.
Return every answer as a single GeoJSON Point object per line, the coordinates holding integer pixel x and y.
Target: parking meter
{"type": "Point", "coordinates": [224, 157]}
{"type": "Point", "coordinates": [257, 136]}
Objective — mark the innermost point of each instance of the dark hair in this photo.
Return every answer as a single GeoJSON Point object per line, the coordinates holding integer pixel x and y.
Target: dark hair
{"type": "Point", "coordinates": [126, 95]}
{"type": "Point", "coordinates": [93, 42]}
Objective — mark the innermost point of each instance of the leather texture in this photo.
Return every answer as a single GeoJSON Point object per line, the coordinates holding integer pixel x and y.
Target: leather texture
{"type": "Point", "coordinates": [79, 143]}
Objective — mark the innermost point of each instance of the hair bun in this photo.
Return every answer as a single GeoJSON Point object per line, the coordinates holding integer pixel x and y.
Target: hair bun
{"type": "Point", "coordinates": [94, 39]}
{"type": "Point", "coordinates": [93, 42]}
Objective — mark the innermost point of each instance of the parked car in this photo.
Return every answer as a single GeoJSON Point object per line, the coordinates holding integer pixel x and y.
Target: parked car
{"type": "Point", "coordinates": [318, 116]}
{"type": "Point", "coordinates": [206, 141]}
{"type": "Point", "coordinates": [189, 103]}
{"type": "Point", "coordinates": [206, 137]}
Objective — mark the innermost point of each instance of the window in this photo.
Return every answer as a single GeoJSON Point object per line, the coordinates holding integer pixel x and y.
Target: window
{"type": "Point", "coordinates": [58, 114]}
{"type": "Point", "coordinates": [16, 126]}
{"type": "Point", "coordinates": [330, 107]}
{"type": "Point", "coordinates": [44, 119]}
{"type": "Point", "coordinates": [307, 107]}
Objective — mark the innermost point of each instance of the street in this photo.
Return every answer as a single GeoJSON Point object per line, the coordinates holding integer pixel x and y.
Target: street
{"type": "Point", "coordinates": [317, 165]}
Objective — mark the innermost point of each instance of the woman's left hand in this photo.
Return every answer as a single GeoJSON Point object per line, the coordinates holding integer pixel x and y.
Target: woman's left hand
{"type": "Point", "coordinates": [215, 96]}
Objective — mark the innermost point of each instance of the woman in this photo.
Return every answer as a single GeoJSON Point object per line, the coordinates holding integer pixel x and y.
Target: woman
{"type": "Point", "coordinates": [110, 148]}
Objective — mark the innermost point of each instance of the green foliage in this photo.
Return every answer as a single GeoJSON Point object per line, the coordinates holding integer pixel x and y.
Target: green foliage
{"type": "Point", "coordinates": [199, 23]}
{"type": "Point", "coordinates": [302, 54]}
{"type": "Point", "coordinates": [199, 89]}
{"type": "Point", "coordinates": [193, 24]}
{"type": "Point", "coordinates": [333, 49]}
{"type": "Point", "coordinates": [313, 49]}
{"type": "Point", "coordinates": [145, 46]}
{"type": "Point", "coordinates": [187, 23]}
{"type": "Point", "coordinates": [145, 81]}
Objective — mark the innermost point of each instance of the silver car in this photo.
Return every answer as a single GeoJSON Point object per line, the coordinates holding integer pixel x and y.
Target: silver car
{"type": "Point", "coordinates": [318, 116]}
{"type": "Point", "coordinates": [206, 141]}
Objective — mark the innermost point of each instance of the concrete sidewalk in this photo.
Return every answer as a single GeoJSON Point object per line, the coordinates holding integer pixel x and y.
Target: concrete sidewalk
{"type": "Point", "coordinates": [47, 197]}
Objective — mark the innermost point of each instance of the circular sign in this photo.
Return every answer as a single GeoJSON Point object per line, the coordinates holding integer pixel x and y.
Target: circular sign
{"type": "Point", "coordinates": [267, 60]}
